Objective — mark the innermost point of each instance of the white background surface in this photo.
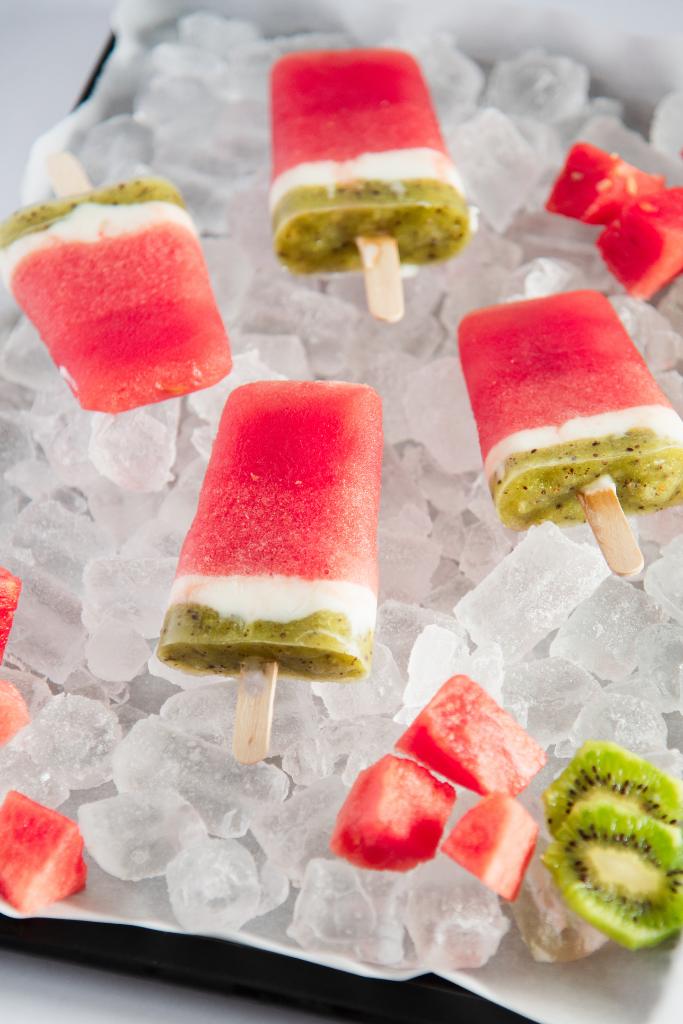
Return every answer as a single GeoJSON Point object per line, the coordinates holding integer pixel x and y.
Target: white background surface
{"type": "Point", "coordinates": [47, 49]}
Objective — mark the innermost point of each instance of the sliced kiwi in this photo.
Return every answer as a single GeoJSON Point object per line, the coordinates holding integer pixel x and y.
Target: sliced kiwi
{"type": "Point", "coordinates": [601, 768]}
{"type": "Point", "coordinates": [621, 870]}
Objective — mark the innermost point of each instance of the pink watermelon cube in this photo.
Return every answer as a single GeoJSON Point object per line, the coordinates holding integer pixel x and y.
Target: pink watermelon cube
{"type": "Point", "coordinates": [41, 855]}
{"type": "Point", "coordinates": [465, 735]}
{"type": "Point", "coordinates": [495, 841]}
{"type": "Point", "coordinates": [393, 817]}
{"type": "Point", "coordinates": [10, 588]}
{"type": "Point", "coordinates": [643, 247]}
{"type": "Point", "coordinates": [13, 712]}
{"type": "Point", "coordinates": [594, 185]}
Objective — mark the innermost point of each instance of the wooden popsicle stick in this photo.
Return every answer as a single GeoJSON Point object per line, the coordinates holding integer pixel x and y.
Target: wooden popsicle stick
{"type": "Point", "coordinates": [611, 529]}
{"type": "Point", "coordinates": [67, 175]}
{"type": "Point", "coordinates": [254, 712]}
{"type": "Point", "coordinates": [382, 272]}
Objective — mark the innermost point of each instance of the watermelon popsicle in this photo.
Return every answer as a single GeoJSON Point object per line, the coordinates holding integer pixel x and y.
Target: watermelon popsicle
{"type": "Point", "coordinates": [280, 563]}
{"type": "Point", "coordinates": [360, 170]}
{"type": "Point", "coordinates": [570, 418]}
{"type": "Point", "coordinates": [114, 280]}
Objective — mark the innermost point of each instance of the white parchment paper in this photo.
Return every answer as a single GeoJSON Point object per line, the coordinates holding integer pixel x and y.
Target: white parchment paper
{"type": "Point", "coordinates": [613, 986]}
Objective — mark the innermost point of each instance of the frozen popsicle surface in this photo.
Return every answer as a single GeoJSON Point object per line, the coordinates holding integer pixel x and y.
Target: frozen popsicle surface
{"type": "Point", "coordinates": [280, 563]}
{"type": "Point", "coordinates": [116, 284]}
{"type": "Point", "coordinates": [357, 151]}
{"type": "Point", "coordinates": [562, 398]}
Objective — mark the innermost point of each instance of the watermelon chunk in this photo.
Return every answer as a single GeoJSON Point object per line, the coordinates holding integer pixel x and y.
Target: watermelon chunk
{"type": "Point", "coordinates": [594, 185]}
{"type": "Point", "coordinates": [495, 841]}
{"type": "Point", "coordinates": [643, 247]}
{"type": "Point", "coordinates": [393, 817]}
{"type": "Point", "coordinates": [13, 712]}
{"type": "Point", "coordinates": [10, 588]}
{"type": "Point", "coordinates": [463, 734]}
{"type": "Point", "coordinates": [41, 855]}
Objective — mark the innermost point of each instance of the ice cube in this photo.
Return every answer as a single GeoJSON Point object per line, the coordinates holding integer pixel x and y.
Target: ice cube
{"type": "Point", "coordinates": [541, 277]}
{"type": "Point", "coordinates": [454, 921]}
{"type": "Point", "coordinates": [274, 888]}
{"type": "Point", "coordinates": [207, 712]}
{"type": "Point", "coordinates": [58, 541]}
{"type": "Point", "coordinates": [213, 886]}
{"type": "Point", "coordinates": [211, 32]}
{"type": "Point", "coordinates": [116, 149]}
{"type": "Point", "coordinates": [600, 634]}
{"type": "Point", "coordinates": [552, 932]}
{"type": "Point", "coordinates": [294, 832]}
{"type": "Point", "coordinates": [531, 592]}
{"type": "Point", "coordinates": [116, 652]}
{"type": "Point", "coordinates": [177, 60]}
{"type": "Point", "coordinates": [325, 324]}
{"type": "Point", "coordinates": [379, 694]}
{"type": "Point", "coordinates": [659, 656]}
{"type": "Point", "coordinates": [25, 360]}
{"type": "Point", "coordinates": [35, 478]}
{"type": "Point", "coordinates": [439, 417]}
{"type": "Point", "coordinates": [136, 449]}
{"type": "Point", "coordinates": [74, 738]}
{"type": "Point", "coordinates": [119, 512]}
{"type": "Point", "coordinates": [611, 134]}
{"type": "Point", "coordinates": [47, 634]}
{"type": "Point", "coordinates": [390, 373]}
{"type": "Point", "coordinates": [649, 329]}
{"type": "Point", "coordinates": [499, 166]}
{"type": "Point", "coordinates": [136, 835]}
{"type": "Point", "coordinates": [538, 85]}
{"type": "Point", "coordinates": [374, 737]}
{"type": "Point", "coordinates": [546, 696]}
{"type": "Point", "coordinates": [406, 565]}
{"type": "Point", "coordinates": [84, 684]}
{"type": "Point", "coordinates": [282, 353]}
{"type": "Point", "coordinates": [666, 130]}
{"type": "Point", "coordinates": [344, 910]}
{"type": "Point", "coordinates": [15, 441]}
{"type": "Point", "coordinates": [132, 591]}
{"type": "Point", "coordinates": [33, 689]}
{"type": "Point", "coordinates": [449, 531]}
{"type": "Point", "coordinates": [664, 580]}
{"type": "Point", "coordinates": [671, 306]}
{"type": "Point", "coordinates": [227, 795]}
{"type": "Point", "coordinates": [436, 656]}
{"type": "Point", "coordinates": [18, 771]}
{"type": "Point", "coordinates": [484, 545]}
{"type": "Point", "coordinates": [399, 624]}
{"type": "Point", "coordinates": [620, 718]}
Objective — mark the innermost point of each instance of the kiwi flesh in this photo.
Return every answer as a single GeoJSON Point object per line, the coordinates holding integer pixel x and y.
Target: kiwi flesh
{"type": "Point", "coordinates": [601, 768]}
{"type": "Point", "coordinates": [621, 870]}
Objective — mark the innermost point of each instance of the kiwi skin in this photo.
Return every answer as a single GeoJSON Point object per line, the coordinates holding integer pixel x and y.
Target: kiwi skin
{"type": "Point", "coordinates": [601, 768]}
{"type": "Point", "coordinates": [621, 871]}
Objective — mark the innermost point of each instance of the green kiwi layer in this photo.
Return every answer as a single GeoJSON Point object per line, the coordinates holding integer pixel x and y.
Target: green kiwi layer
{"type": "Point", "coordinates": [621, 871]}
{"type": "Point", "coordinates": [321, 646]}
{"type": "Point", "coordinates": [543, 484]}
{"type": "Point", "coordinates": [316, 228]}
{"type": "Point", "coordinates": [602, 769]}
{"type": "Point", "coordinates": [41, 215]}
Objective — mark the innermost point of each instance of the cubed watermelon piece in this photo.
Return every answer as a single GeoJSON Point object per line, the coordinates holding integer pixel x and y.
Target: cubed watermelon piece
{"type": "Point", "coordinates": [41, 855]}
{"type": "Point", "coordinates": [463, 734]}
{"type": "Point", "coordinates": [393, 817]}
{"type": "Point", "coordinates": [594, 185]}
{"type": "Point", "coordinates": [495, 840]}
{"type": "Point", "coordinates": [643, 247]}
{"type": "Point", "coordinates": [10, 588]}
{"type": "Point", "coordinates": [14, 714]}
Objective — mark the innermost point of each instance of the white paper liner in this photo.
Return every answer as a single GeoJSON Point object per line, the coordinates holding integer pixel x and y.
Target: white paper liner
{"type": "Point", "coordinates": [613, 986]}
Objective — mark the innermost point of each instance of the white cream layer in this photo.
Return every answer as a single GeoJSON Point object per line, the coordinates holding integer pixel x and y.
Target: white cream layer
{"type": "Point", "coordinates": [278, 598]}
{"type": "Point", "coordinates": [91, 222]}
{"type": "Point", "coordinates": [661, 419]}
{"type": "Point", "coordinates": [393, 166]}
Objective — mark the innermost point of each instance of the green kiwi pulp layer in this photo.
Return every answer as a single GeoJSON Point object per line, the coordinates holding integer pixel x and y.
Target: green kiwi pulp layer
{"type": "Point", "coordinates": [42, 215]}
{"type": "Point", "coordinates": [321, 646]}
{"type": "Point", "coordinates": [602, 769]}
{"type": "Point", "coordinates": [543, 484]}
{"type": "Point", "coordinates": [621, 871]}
{"type": "Point", "coordinates": [316, 228]}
